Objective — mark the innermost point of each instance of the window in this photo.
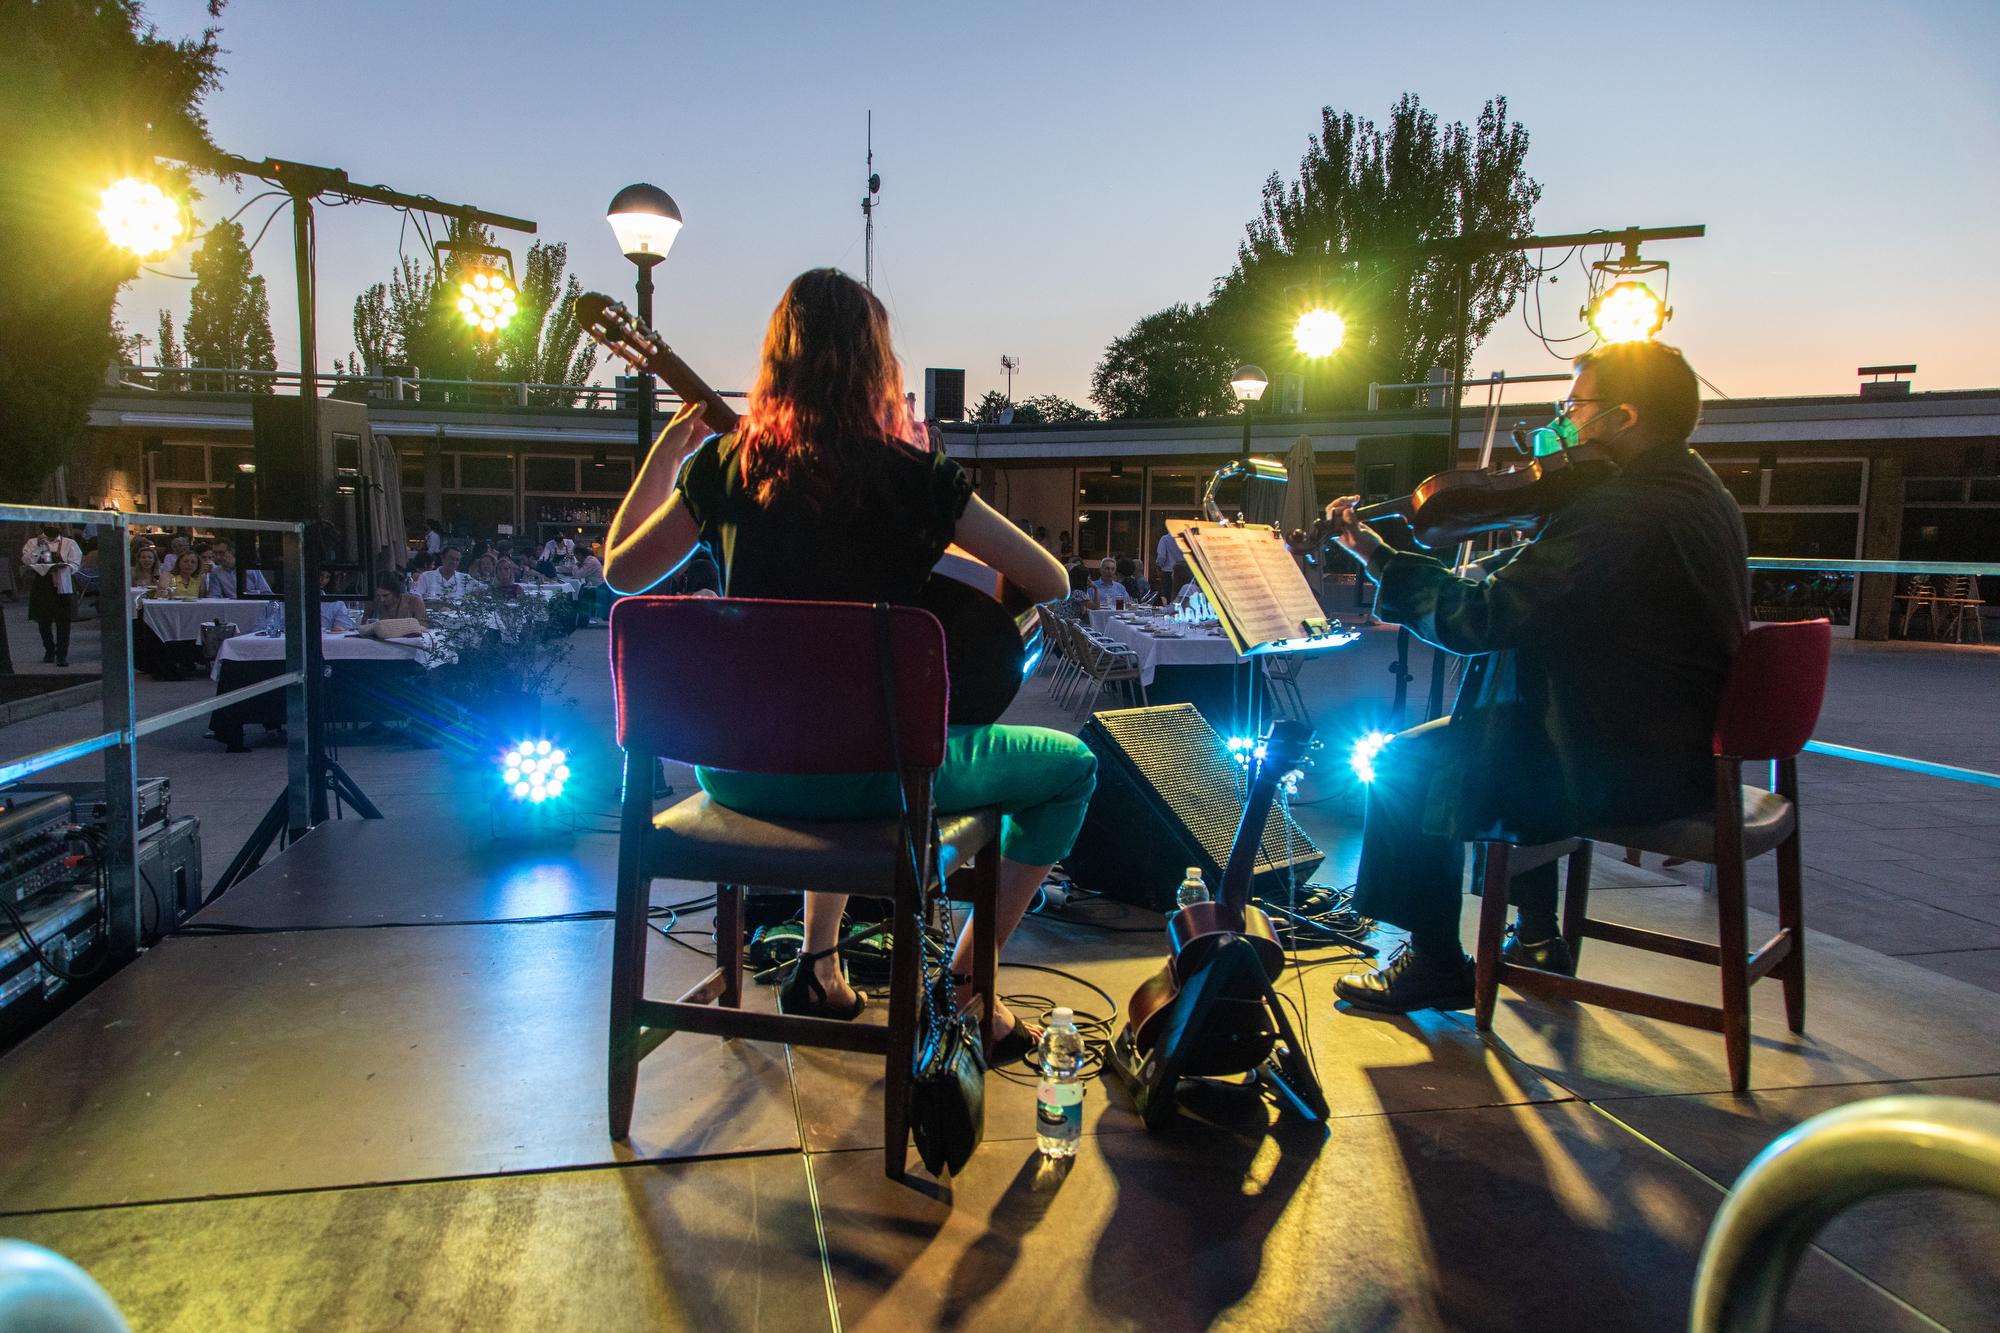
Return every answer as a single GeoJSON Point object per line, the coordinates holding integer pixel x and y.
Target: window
{"type": "Point", "coordinates": [613, 476]}
{"type": "Point", "coordinates": [413, 473]}
{"type": "Point", "coordinates": [485, 472]}
{"type": "Point", "coordinates": [183, 462]}
{"type": "Point", "coordinates": [1813, 482]}
{"type": "Point", "coordinates": [1177, 488]}
{"type": "Point", "coordinates": [1744, 480]}
{"type": "Point", "coordinates": [1102, 488]}
{"type": "Point", "coordinates": [548, 474]}
{"type": "Point", "coordinates": [1102, 532]}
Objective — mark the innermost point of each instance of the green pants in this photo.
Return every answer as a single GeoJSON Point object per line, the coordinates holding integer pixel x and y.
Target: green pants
{"type": "Point", "coordinates": [1041, 780]}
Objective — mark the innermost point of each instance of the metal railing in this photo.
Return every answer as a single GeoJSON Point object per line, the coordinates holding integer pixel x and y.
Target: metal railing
{"type": "Point", "coordinates": [399, 388]}
{"type": "Point", "coordinates": [123, 728]}
{"type": "Point", "coordinates": [1819, 1170]}
{"type": "Point", "coordinates": [1375, 391]}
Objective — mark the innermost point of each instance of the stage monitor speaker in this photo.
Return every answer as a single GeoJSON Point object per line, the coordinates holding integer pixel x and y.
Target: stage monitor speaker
{"type": "Point", "coordinates": [944, 394]}
{"type": "Point", "coordinates": [1169, 796]}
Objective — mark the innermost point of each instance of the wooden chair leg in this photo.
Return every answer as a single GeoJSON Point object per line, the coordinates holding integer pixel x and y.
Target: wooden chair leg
{"type": "Point", "coordinates": [1492, 876]}
{"type": "Point", "coordinates": [1791, 905]}
{"type": "Point", "coordinates": [1735, 943]}
{"type": "Point", "coordinates": [729, 942]}
{"type": "Point", "coordinates": [905, 977]}
{"type": "Point", "coordinates": [984, 886]}
{"type": "Point", "coordinates": [1576, 898]}
{"type": "Point", "coordinates": [628, 943]}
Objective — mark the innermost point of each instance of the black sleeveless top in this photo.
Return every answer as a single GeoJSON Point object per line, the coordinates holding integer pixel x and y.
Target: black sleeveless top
{"type": "Point", "coordinates": [874, 540]}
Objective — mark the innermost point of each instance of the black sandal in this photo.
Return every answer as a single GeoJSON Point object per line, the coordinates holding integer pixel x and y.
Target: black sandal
{"type": "Point", "coordinates": [1016, 1045]}
{"type": "Point", "coordinates": [802, 995]}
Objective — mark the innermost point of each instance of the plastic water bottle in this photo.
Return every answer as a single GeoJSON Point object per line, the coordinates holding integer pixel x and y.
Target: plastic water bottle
{"type": "Point", "coordinates": [1193, 889]}
{"type": "Point", "coordinates": [1059, 1103]}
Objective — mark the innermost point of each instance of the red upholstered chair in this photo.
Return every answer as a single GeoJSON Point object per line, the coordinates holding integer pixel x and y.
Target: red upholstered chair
{"type": "Point", "coordinates": [793, 688]}
{"type": "Point", "coordinates": [1769, 709]}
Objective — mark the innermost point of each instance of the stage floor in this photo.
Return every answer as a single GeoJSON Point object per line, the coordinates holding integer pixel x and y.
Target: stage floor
{"type": "Point", "coordinates": [362, 1110]}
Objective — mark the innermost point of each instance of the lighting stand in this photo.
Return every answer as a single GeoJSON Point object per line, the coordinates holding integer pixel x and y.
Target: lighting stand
{"type": "Point", "coordinates": [303, 804]}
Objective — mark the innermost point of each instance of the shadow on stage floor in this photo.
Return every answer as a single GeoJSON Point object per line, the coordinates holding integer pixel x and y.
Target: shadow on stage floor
{"type": "Point", "coordinates": [358, 1099]}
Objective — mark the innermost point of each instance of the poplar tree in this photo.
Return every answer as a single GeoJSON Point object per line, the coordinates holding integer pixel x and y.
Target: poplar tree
{"type": "Point", "coordinates": [229, 315]}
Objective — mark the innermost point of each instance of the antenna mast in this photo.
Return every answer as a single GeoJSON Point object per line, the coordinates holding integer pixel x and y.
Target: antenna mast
{"type": "Point", "coordinates": [1010, 364]}
{"type": "Point", "coordinates": [868, 203]}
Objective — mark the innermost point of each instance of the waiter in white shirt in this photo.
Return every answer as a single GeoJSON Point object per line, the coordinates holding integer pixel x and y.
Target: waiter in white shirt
{"type": "Point", "coordinates": [1167, 560]}
{"type": "Point", "coordinates": [55, 561]}
{"type": "Point", "coordinates": [446, 583]}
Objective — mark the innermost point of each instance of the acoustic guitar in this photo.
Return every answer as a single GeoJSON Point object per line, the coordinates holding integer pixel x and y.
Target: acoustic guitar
{"type": "Point", "coordinates": [992, 630]}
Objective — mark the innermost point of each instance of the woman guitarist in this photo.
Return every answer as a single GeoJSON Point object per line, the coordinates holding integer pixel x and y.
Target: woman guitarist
{"type": "Point", "coordinates": [819, 496]}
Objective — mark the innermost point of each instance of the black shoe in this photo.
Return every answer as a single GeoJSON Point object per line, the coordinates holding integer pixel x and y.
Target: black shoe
{"type": "Point", "coordinates": [1549, 955]}
{"type": "Point", "coordinates": [62, 661]}
{"type": "Point", "coordinates": [48, 657]}
{"type": "Point", "coordinates": [802, 995]}
{"type": "Point", "coordinates": [1408, 981]}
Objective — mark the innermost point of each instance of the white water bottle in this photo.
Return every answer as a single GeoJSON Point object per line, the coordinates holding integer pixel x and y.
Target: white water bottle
{"type": "Point", "coordinates": [1059, 1103]}
{"type": "Point", "coordinates": [1193, 889]}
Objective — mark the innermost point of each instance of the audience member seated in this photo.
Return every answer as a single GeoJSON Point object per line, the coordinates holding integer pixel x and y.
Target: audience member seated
{"type": "Point", "coordinates": [486, 568]}
{"type": "Point", "coordinates": [507, 579]}
{"type": "Point", "coordinates": [334, 614]}
{"type": "Point", "coordinates": [446, 583]}
{"type": "Point", "coordinates": [1079, 575]}
{"type": "Point", "coordinates": [146, 572]}
{"type": "Point", "coordinates": [222, 579]}
{"type": "Point", "coordinates": [1105, 591]}
{"type": "Point", "coordinates": [189, 576]}
{"type": "Point", "coordinates": [392, 603]}
{"type": "Point", "coordinates": [177, 546]}
{"type": "Point", "coordinates": [1135, 587]}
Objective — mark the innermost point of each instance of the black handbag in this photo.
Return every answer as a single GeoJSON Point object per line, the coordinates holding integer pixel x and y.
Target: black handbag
{"type": "Point", "coordinates": [947, 1111]}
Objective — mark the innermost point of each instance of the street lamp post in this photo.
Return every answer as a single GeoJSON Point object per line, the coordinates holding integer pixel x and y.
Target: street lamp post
{"type": "Point", "coordinates": [1248, 383]}
{"type": "Point", "coordinates": [645, 220]}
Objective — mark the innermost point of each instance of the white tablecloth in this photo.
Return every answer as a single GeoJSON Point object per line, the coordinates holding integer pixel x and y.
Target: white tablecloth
{"type": "Point", "coordinates": [1199, 648]}
{"type": "Point", "coordinates": [182, 621]}
{"type": "Point", "coordinates": [335, 647]}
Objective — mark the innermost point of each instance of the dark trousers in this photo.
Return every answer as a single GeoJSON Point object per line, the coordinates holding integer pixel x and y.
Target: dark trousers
{"type": "Point", "coordinates": [55, 629]}
{"type": "Point", "coordinates": [1410, 878]}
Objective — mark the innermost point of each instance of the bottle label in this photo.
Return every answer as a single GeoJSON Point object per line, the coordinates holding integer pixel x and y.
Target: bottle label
{"type": "Point", "coordinates": [1059, 1110]}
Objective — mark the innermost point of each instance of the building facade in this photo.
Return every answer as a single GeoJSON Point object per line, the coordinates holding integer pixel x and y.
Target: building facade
{"type": "Point", "coordinates": [1914, 477]}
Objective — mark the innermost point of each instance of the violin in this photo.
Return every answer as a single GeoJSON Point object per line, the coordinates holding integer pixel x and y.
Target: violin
{"type": "Point", "coordinates": [1454, 507]}
{"type": "Point", "coordinates": [1240, 1033]}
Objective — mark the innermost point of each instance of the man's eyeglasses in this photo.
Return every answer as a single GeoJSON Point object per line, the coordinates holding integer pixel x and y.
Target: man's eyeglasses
{"type": "Point", "coordinates": [1569, 405]}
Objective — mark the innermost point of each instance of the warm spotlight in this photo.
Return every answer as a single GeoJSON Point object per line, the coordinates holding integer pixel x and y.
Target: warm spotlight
{"type": "Point", "coordinates": [1318, 333]}
{"type": "Point", "coordinates": [141, 217]}
{"type": "Point", "coordinates": [1627, 312]}
{"type": "Point", "coordinates": [487, 299]}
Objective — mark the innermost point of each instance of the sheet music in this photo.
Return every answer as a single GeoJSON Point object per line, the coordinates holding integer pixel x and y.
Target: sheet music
{"type": "Point", "coordinates": [1261, 596]}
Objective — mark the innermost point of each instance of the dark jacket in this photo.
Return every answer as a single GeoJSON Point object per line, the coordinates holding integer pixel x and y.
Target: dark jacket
{"type": "Point", "coordinates": [1599, 653]}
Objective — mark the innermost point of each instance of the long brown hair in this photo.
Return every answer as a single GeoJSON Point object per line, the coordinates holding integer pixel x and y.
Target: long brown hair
{"type": "Point", "coordinates": [828, 381]}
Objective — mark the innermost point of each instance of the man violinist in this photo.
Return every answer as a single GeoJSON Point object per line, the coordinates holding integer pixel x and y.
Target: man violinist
{"type": "Point", "coordinates": [1598, 654]}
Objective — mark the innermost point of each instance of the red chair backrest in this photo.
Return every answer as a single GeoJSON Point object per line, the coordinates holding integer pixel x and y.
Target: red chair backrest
{"type": "Point", "coordinates": [775, 687]}
{"type": "Point", "coordinates": [1777, 682]}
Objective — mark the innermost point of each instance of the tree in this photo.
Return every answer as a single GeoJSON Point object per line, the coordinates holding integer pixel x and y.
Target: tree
{"type": "Point", "coordinates": [229, 316]}
{"type": "Point", "coordinates": [1053, 408]}
{"type": "Point", "coordinates": [89, 92]}
{"type": "Point", "coordinates": [170, 356]}
{"type": "Point", "coordinates": [989, 407]}
{"type": "Point", "coordinates": [1364, 188]}
{"type": "Point", "coordinates": [413, 319]}
{"type": "Point", "coordinates": [1168, 365]}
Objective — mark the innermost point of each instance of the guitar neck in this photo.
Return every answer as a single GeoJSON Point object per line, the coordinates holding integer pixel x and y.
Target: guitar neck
{"type": "Point", "coordinates": [679, 376]}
